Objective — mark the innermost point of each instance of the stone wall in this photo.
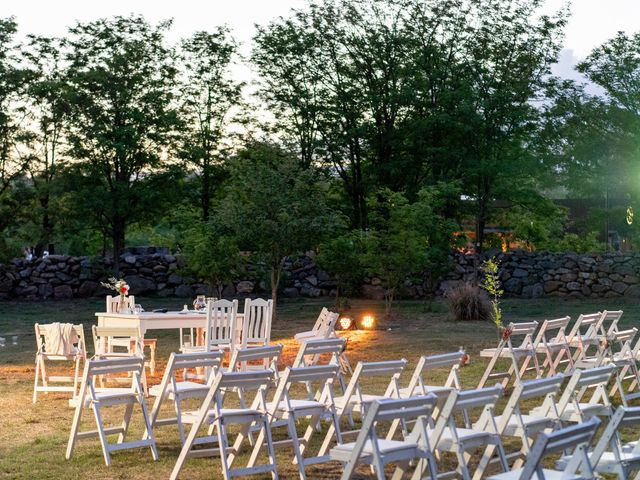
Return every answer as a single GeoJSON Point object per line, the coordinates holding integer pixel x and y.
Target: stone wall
{"type": "Point", "coordinates": [539, 274]}
{"type": "Point", "coordinates": [154, 271]}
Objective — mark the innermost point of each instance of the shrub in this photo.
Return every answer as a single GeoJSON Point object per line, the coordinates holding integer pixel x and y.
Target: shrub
{"type": "Point", "coordinates": [468, 302]}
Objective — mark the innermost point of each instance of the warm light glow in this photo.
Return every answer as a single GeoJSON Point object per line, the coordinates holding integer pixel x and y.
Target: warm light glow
{"type": "Point", "coordinates": [368, 321]}
{"type": "Point", "coordinates": [346, 323]}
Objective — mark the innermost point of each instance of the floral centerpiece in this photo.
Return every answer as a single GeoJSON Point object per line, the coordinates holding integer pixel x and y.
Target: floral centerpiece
{"type": "Point", "coordinates": [119, 286]}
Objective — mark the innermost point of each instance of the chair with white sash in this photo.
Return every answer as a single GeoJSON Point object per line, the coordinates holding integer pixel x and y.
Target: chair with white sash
{"type": "Point", "coordinates": [371, 449]}
{"type": "Point", "coordinates": [462, 439]}
{"type": "Point", "coordinates": [58, 342]}
{"type": "Point", "coordinates": [514, 422]}
{"type": "Point", "coordinates": [285, 409]}
{"type": "Point", "coordinates": [175, 390]}
{"type": "Point", "coordinates": [355, 400]}
{"type": "Point", "coordinates": [576, 437]}
{"type": "Point", "coordinates": [99, 398]}
{"type": "Point", "coordinates": [213, 412]}
{"type": "Point", "coordinates": [552, 343]}
{"type": "Point", "coordinates": [524, 353]}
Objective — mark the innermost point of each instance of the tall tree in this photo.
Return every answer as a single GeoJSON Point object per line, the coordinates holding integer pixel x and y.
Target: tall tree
{"type": "Point", "coordinates": [48, 109]}
{"type": "Point", "coordinates": [208, 95]}
{"type": "Point", "coordinates": [274, 207]}
{"type": "Point", "coordinates": [121, 78]}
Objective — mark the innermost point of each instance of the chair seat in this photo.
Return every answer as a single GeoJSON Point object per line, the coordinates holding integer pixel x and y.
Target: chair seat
{"type": "Point", "coordinates": [182, 387]}
{"type": "Point", "coordinates": [342, 452]}
{"type": "Point", "coordinates": [588, 410]}
{"type": "Point", "coordinates": [555, 346]}
{"type": "Point", "coordinates": [437, 390]}
{"type": "Point", "coordinates": [354, 401]}
{"type": "Point", "coordinates": [506, 353]}
{"type": "Point", "coordinates": [465, 435]}
{"type": "Point", "coordinates": [583, 339]}
{"type": "Point", "coordinates": [297, 405]}
{"type": "Point", "coordinates": [227, 413]}
{"type": "Point", "coordinates": [531, 422]}
{"type": "Point", "coordinates": [303, 336]}
{"type": "Point", "coordinates": [548, 475]}
{"type": "Point", "coordinates": [607, 462]}
{"type": "Point", "coordinates": [103, 394]}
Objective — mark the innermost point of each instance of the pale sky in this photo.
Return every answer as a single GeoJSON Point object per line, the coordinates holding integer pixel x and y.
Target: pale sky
{"type": "Point", "coordinates": [592, 21]}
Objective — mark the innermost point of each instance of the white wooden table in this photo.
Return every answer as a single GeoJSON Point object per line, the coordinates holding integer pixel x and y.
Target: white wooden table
{"type": "Point", "coordinates": [160, 321]}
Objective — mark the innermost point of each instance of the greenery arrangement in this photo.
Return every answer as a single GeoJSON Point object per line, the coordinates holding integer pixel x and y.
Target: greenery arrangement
{"type": "Point", "coordinates": [491, 284]}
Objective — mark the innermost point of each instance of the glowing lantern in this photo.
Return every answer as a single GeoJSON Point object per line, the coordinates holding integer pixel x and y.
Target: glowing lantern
{"type": "Point", "coordinates": [345, 323]}
{"type": "Point", "coordinates": [368, 321]}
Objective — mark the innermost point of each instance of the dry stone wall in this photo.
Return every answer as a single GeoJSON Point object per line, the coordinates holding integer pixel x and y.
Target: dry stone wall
{"type": "Point", "coordinates": [155, 271]}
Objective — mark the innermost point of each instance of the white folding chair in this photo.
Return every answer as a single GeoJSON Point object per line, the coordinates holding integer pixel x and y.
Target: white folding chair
{"type": "Point", "coordinates": [574, 404]}
{"type": "Point", "coordinates": [417, 384]}
{"type": "Point", "coordinates": [620, 353]}
{"type": "Point", "coordinates": [576, 437]}
{"type": "Point", "coordinates": [373, 450]}
{"type": "Point", "coordinates": [609, 322]}
{"type": "Point", "coordinates": [97, 398]}
{"type": "Point", "coordinates": [214, 413]}
{"type": "Point", "coordinates": [525, 352]}
{"type": "Point", "coordinates": [75, 351]}
{"type": "Point", "coordinates": [583, 337]}
{"type": "Point", "coordinates": [256, 327]}
{"type": "Point", "coordinates": [106, 341]}
{"type": "Point", "coordinates": [459, 440]}
{"type": "Point", "coordinates": [608, 455]}
{"type": "Point", "coordinates": [355, 400]}
{"type": "Point", "coordinates": [175, 390]}
{"type": "Point", "coordinates": [552, 343]}
{"type": "Point", "coordinates": [285, 410]}
{"type": "Point", "coordinates": [323, 328]}
{"type": "Point", "coordinates": [513, 422]}
{"type": "Point", "coordinates": [313, 351]}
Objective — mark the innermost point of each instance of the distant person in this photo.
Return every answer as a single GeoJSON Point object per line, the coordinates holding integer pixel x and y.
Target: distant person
{"type": "Point", "coordinates": [28, 254]}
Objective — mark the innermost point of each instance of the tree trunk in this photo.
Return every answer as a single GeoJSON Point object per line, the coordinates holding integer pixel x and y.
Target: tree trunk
{"type": "Point", "coordinates": [275, 279]}
{"type": "Point", "coordinates": [206, 194]}
{"type": "Point", "coordinates": [481, 220]}
{"type": "Point", "coordinates": [117, 237]}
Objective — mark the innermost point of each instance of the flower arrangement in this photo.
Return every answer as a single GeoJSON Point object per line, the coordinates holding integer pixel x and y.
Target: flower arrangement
{"type": "Point", "coordinates": [119, 286]}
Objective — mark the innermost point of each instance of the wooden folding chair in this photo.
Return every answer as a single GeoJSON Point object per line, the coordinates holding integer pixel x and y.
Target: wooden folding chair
{"type": "Point", "coordinates": [107, 339]}
{"type": "Point", "coordinates": [98, 398]}
{"type": "Point", "coordinates": [354, 398]}
{"type": "Point", "coordinates": [214, 413]}
{"type": "Point", "coordinates": [552, 343]}
{"type": "Point", "coordinates": [609, 456]}
{"type": "Point", "coordinates": [175, 390]}
{"type": "Point", "coordinates": [373, 450]}
{"type": "Point", "coordinates": [323, 328]}
{"type": "Point", "coordinates": [256, 327]}
{"type": "Point", "coordinates": [312, 352]}
{"type": "Point", "coordinates": [513, 422]}
{"type": "Point", "coordinates": [525, 352]}
{"type": "Point", "coordinates": [460, 440]}
{"type": "Point", "coordinates": [574, 404]}
{"type": "Point", "coordinates": [285, 410]}
{"type": "Point", "coordinates": [584, 337]}
{"type": "Point", "coordinates": [43, 354]}
{"type": "Point", "coordinates": [577, 437]}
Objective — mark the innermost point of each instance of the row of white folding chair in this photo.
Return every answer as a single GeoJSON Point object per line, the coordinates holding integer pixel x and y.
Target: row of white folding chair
{"type": "Point", "coordinates": [551, 341]}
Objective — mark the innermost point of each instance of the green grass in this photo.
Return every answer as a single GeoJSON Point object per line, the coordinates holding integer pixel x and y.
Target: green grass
{"type": "Point", "coordinates": [33, 437]}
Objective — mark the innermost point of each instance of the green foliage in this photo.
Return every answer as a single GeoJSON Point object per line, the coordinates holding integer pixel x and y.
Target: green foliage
{"type": "Point", "coordinates": [572, 242]}
{"type": "Point", "coordinates": [211, 255]}
{"type": "Point", "coordinates": [491, 284]}
{"type": "Point", "coordinates": [341, 257]}
{"type": "Point", "coordinates": [274, 207]}
{"type": "Point", "coordinates": [468, 302]}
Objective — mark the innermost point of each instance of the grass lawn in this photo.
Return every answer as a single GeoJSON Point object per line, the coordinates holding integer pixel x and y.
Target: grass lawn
{"type": "Point", "coordinates": [33, 437]}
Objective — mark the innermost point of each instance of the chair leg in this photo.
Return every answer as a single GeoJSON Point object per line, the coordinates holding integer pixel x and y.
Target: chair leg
{"type": "Point", "coordinates": [295, 443]}
{"type": "Point", "coordinates": [125, 422]}
{"type": "Point", "coordinates": [75, 425]}
{"type": "Point", "coordinates": [35, 385]}
{"type": "Point", "coordinates": [101, 434]}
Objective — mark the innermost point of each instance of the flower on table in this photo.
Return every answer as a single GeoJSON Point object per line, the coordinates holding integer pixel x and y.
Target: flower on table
{"type": "Point", "coordinates": [119, 286]}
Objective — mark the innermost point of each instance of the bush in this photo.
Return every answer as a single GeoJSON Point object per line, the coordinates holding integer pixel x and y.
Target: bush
{"type": "Point", "coordinates": [468, 302]}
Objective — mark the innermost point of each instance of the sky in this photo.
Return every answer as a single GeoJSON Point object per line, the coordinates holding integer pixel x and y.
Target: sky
{"type": "Point", "coordinates": [592, 21]}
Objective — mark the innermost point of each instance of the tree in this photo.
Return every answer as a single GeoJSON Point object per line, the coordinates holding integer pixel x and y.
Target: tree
{"type": "Point", "coordinates": [406, 238]}
{"type": "Point", "coordinates": [341, 256]}
{"type": "Point", "coordinates": [121, 78]}
{"type": "Point", "coordinates": [48, 111]}
{"type": "Point", "coordinates": [208, 96]}
{"type": "Point", "coordinates": [274, 207]}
